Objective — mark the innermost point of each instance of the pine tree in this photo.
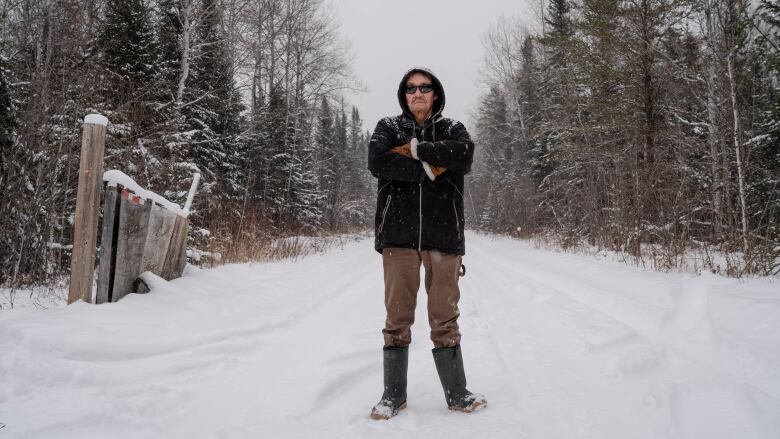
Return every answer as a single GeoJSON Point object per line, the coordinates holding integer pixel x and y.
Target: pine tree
{"type": "Point", "coordinates": [530, 115]}
{"type": "Point", "coordinates": [328, 157]}
{"type": "Point", "coordinates": [769, 70]}
{"type": "Point", "coordinates": [169, 30]}
{"type": "Point", "coordinates": [7, 123]}
{"type": "Point", "coordinates": [765, 144]}
{"type": "Point", "coordinates": [129, 49]}
{"type": "Point", "coordinates": [557, 83]}
{"type": "Point", "coordinates": [215, 116]}
{"type": "Point", "coordinates": [559, 31]}
{"type": "Point", "coordinates": [356, 178]}
{"type": "Point", "coordinates": [496, 140]}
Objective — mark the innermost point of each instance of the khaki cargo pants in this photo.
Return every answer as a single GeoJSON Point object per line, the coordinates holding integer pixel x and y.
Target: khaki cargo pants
{"type": "Point", "coordinates": [402, 281]}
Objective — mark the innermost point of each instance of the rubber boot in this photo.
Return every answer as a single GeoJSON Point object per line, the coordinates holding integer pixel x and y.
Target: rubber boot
{"type": "Point", "coordinates": [449, 364]}
{"type": "Point", "coordinates": [396, 362]}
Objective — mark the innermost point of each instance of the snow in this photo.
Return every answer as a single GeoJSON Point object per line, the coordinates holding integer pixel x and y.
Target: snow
{"type": "Point", "coordinates": [196, 255]}
{"type": "Point", "coordinates": [96, 119]}
{"type": "Point", "coordinates": [40, 297]}
{"type": "Point", "coordinates": [562, 345]}
{"type": "Point", "coordinates": [115, 177]}
{"type": "Point", "coordinates": [152, 280]}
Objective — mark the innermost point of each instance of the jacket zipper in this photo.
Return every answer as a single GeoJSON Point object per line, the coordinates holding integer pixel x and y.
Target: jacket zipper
{"type": "Point", "coordinates": [419, 239]}
{"type": "Point", "coordinates": [384, 212]}
{"type": "Point", "coordinates": [457, 218]}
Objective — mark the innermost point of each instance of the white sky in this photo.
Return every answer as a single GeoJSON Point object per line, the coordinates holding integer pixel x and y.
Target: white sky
{"type": "Point", "coordinates": [390, 37]}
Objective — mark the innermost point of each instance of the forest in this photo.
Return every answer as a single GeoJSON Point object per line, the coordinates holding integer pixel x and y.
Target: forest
{"type": "Point", "coordinates": [646, 127]}
{"type": "Point", "coordinates": [248, 93]}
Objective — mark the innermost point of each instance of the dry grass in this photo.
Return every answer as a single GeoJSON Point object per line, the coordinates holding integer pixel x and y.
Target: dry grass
{"type": "Point", "coordinates": [256, 239]}
{"type": "Point", "coordinates": [694, 257]}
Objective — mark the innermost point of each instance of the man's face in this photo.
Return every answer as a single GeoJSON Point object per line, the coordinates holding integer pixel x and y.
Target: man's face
{"type": "Point", "coordinates": [420, 102]}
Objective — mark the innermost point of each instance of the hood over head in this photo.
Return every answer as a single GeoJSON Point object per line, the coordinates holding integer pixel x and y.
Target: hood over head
{"type": "Point", "coordinates": [438, 104]}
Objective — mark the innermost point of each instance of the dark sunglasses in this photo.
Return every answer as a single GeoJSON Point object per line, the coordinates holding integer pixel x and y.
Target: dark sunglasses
{"type": "Point", "coordinates": [425, 88]}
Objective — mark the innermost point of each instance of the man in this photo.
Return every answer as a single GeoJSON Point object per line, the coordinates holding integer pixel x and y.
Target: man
{"type": "Point", "coordinates": [420, 159]}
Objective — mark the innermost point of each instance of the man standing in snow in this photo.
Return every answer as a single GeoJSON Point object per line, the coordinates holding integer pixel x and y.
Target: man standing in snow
{"type": "Point", "coordinates": [420, 159]}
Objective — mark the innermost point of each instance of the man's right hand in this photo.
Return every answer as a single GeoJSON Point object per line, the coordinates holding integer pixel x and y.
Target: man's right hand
{"type": "Point", "coordinates": [404, 150]}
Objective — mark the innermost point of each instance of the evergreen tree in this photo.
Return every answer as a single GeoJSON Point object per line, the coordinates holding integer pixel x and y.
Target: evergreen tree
{"type": "Point", "coordinates": [214, 118]}
{"type": "Point", "coordinates": [7, 123]}
{"type": "Point", "coordinates": [328, 156]}
{"type": "Point", "coordinates": [765, 144]}
{"type": "Point", "coordinates": [530, 114]}
{"type": "Point", "coordinates": [129, 49]}
{"type": "Point", "coordinates": [555, 127]}
{"type": "Point", "coordinates": [356, 177]}
{"type": "Point", "coordinates": [169, 30]}
{"type": "Point", "coordinates": [277, 163]}
{"type": "Point", "coordinates": [496, 141]}
{"type": "Point", "coordinates": [768, 57]}
{"type": "Point", "coordinates": [559, 31]}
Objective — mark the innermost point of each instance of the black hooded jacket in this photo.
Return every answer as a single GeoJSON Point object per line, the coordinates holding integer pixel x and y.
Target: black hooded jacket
{"type": "Point", "coordinates": [411, 210]}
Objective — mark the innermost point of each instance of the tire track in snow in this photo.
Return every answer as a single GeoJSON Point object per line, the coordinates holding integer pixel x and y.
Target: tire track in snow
{"type": "Point", "coordinates": [296, 355]}
{"type": "Point", "coordinates": [540, 357]}
{"type": "Point", "coordinates": [650, 350]}
{"type": "Point", "coordinates": [655, 337]}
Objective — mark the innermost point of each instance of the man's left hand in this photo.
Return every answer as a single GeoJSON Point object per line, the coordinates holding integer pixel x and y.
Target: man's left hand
{"type": "Point", "coordinates": [437, 170]}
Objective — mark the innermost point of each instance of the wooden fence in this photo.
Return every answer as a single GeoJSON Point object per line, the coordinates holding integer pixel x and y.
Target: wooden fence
{"type": "Point", "coordinates": [139, 232]}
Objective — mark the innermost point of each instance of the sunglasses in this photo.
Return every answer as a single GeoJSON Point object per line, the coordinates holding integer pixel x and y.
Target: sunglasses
{"type": "Point", "coordinates": [425, 88]}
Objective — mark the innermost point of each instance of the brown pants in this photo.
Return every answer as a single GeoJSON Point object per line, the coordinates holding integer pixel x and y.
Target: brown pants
{"type": "Point", "coordinates": [402, 280]}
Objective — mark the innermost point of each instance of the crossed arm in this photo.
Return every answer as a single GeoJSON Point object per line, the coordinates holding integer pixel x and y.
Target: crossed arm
{"type": "Point", "coordinates": [411, 162]}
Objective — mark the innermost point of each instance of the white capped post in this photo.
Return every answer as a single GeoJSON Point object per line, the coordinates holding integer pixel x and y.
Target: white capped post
{"type": "Point", "coordinates": [82, 261]}
{"type": "Point", "coordinates": [191, 195]}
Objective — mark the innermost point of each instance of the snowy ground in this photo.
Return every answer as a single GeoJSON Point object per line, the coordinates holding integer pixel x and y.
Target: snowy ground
{"type": "Point", "coordinates": [40, 297]}
{"type": "Point", "coordinates": [564, 346]}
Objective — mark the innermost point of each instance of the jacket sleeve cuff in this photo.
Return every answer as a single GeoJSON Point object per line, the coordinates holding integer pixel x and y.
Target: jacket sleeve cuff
{"type": "Point", "coordinates": [421, 149]}
{"type": "Point", "coordinates": [428, 170]}
{"type": "Point", "coordinates": [413, 147]}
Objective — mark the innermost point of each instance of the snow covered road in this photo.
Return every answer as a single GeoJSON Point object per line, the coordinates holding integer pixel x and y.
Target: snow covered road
{"type": "Point", "coordinates": [563, 346]}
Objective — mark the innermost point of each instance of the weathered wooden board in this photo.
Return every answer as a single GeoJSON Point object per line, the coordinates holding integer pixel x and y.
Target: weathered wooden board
{"type": "Point", "coordinates": [134, 216]}
{"type": "Point", "coordinates": [176, 255]}
{"type": "Point", "coordinates": [158, 239]}
{"type": "Point", "coordinates": [108, 244]}
{"type": "Point", "coordinates": [82, 263]}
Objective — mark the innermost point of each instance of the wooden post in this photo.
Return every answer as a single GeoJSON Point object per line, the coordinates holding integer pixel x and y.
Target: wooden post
{"type": "Point", "coordinates": [158, 239]}
{"type": "Point", "coordinates": [82, 262]}
{"type": "Point", "coordinates": [108, 244]}
{"type": "Point", "coordinates": [176, 256]}
{"type": "Point", "coordinates": [134, 214]}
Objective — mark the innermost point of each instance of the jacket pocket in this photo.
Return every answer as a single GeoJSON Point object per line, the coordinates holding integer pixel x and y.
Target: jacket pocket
{"type": "Point", "coordinates": [384, 212]}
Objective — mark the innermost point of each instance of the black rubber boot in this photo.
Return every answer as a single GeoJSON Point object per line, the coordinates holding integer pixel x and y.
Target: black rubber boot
{"type": "Point", "coordinates": [396, 362]}
{"type": "Point", "coordinates": [449, 364]}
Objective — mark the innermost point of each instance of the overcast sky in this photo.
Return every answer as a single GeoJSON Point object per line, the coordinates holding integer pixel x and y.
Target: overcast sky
{"type": "Point", "coordinates": [389, 37]}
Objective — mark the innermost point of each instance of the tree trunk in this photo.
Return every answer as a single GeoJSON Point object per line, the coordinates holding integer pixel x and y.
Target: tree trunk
{"type": "Point", "coordinates": [738, 150]}
{"type": "Point", "coordinates": [186, 20]}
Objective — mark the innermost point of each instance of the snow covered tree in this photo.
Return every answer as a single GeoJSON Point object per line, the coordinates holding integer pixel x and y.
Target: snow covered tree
{"type": "Point", "coordinates": [165, 74]}
{"type": "Point", "coordinates": [213, 107]}
{"type": "Point", "coordinates": [357, 183]}
{"type": "Point", "coordinates": [130, 52]}
{"type": "Point", "coordinates": [328, 157]}
{"type": "Point", "coordinates": [622, 106]}
{"type": "Point", "coordinates": [558, 31]}
{"type": "Point", "coordinates": [7, 121]}
{"type": "Point", "coordinates": [169, 34]}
